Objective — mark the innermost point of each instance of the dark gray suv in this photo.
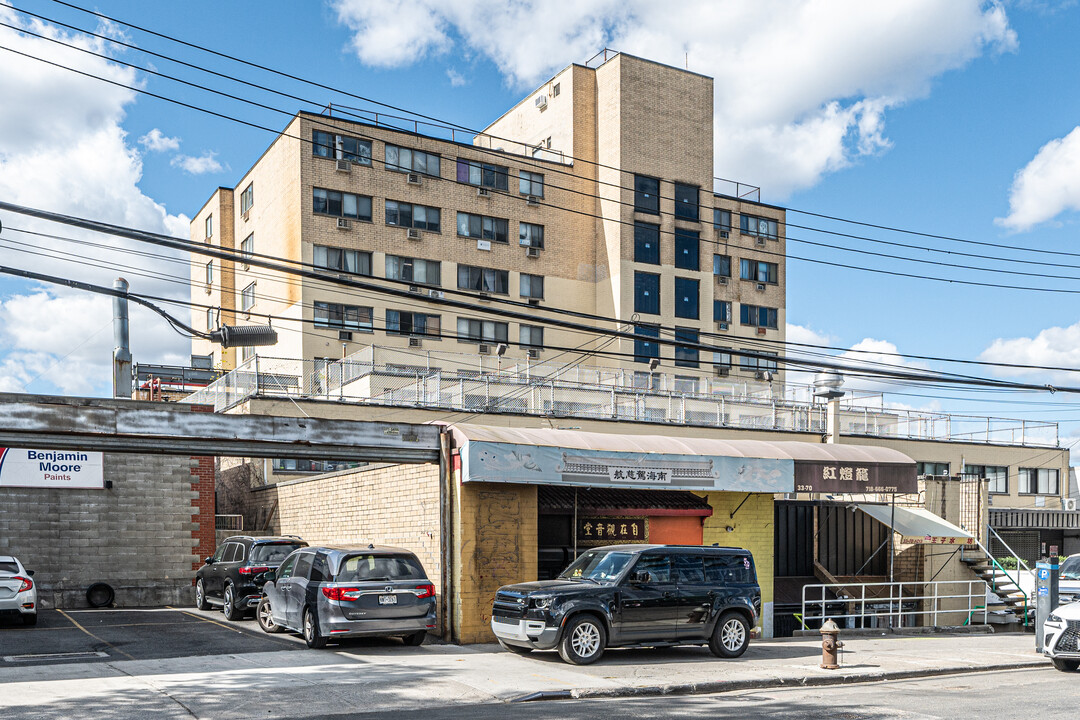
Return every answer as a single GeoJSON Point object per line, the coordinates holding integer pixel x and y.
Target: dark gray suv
{"type": "Point", "coordinates": [334, 592]}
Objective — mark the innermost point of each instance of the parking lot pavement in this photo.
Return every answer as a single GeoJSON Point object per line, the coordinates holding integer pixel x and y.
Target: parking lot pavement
{"type": "Point", "coordinates": [63, 636]}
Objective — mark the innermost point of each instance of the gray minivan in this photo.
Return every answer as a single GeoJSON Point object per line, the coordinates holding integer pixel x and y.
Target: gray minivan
{"type": "Point", "coordinates": [331, 592]}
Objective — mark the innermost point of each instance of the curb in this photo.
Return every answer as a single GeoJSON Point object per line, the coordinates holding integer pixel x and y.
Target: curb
{"type": "Point", "coordinates": [721, 686]}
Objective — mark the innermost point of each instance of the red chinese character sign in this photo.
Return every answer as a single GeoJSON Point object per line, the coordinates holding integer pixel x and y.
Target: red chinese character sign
{"type": "Point", "coordinates": [835, 477]}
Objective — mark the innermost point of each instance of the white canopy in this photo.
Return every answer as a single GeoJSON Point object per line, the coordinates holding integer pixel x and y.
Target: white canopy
{"type": "Point", "coordinates": [914, 521]}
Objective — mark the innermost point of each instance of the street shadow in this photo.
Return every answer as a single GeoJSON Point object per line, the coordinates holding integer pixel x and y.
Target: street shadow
{"type": "Point", "coordinates": [689, 654]}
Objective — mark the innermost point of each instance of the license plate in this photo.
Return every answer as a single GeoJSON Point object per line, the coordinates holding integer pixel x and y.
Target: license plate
{"type": "Point", "coordinates": [388, 599]}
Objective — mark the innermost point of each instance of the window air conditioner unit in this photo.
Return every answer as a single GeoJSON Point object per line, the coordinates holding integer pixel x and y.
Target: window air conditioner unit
{"type": "Point", "coordinates": [761, 286]}
{"type": "Point", "coordinates": [534, 301]}
{"type": "Point", "coordinates": [724, 234]}
{"type": "Point", "coordinates": [760, 242]}
{"type": "Point", "coordinates": [483, 349]}
{"type": "Point", "coordinates": [721, 326]}
{"type": "Point", "coordinates": [415, 289]}
{"type": "Point", "coordinates": [482, 192]}
{"type": "Point", "coordinates": [533, 252]}
{"type": "Point", "coordinates": [541, 101]}
{"type": "Point", "coordinates": [721, 370]}
{"type": "Point", "coordinates": [534, 354]}
{"type": "Point", "coordinates": [761, 331]}
{"type": "Point", "coordinates": [483, 296]}
{"type": "Point", "coordinates": [344, 335]}
{"type": "Point", "coordinates": [413, 178]}
{"type": "Point", "coordinates": [344, 166]}
{"type": "Point", "coordinates": [721, 280]}
{"type": "Point", "coordinates": [438, 294]}
{"type": "Point", "coordinates": [343, 223]}
{"type": "Point", "coordinates": [532, 201]}
{"type": "Point", "coordinates": [1069, 504]}
{"type": "Point", "coordinates": [415, 342]}
{"type": "Point", "coordinates": [414, 234]}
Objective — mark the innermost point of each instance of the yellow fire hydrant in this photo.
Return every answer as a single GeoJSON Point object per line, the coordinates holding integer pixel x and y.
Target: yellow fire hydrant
{"type": "Point", "coordinates": [830, 645]}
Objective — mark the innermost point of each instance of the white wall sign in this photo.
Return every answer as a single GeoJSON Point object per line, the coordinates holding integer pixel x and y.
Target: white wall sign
{"type": "Point", "coordinates": [51, 469]}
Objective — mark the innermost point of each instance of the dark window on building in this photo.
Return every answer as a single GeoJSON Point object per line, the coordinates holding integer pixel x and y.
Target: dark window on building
{"type": "Point", "coordinates": [481, 279]}
{"type": "Point", "coordinates": [332, 202]}
{"type": "Point", "coordinates": [482, 227]}
{"type": "Point", "coordinates": [345, 317]}
{"type": "Point", "coordinates": [327, 145]}
{"type": "Point", "coordinates": [996, 475]}
{"type": "Point", "coordinates": [530, 183]}
{"type": "Point", "coordinates": [757, 316]}
{"type": "Point", "coordinates": [686, 298]}
{"type": "Point", "coordinates": [686, 356]}
{"type": "Point", "coordinates": [646, 243]}
{"type": "Point", "coordinates": [486, 331]}
{"type": "Point", "coordinates": [247, 198]}
{"type": "Point", "coordinates": [759, 271]}
{"type": "Point", "coordinates": [399, 159]}
{"type": "Point", "coordinates": [686, 201]}
{"type": "Point", "coordinates": [687, 249]}
{"type": "Point", "coordinates": [721, 265]}
{"type": "Point", "coordinates": [532, 286]}
{"type": "Point", "coordinates": [721, 219]}
{"type": "Point", "coordinates": [646, 194]}
{"type": "Point", "coordinates": [530, 235]}
{"type": "Point", "coordinates": [399, 322]}
{"type": "Point", "coordinates": [932, 468]}
{"type": "Point", "coordinates": [348, 261]}
{"type": "Point", "coordinates": [414, 216]}
{"type": "Point", "coordinates": [423, 272]}
{"type": "Point", "coordinates": [647, 293]}
{"type": "Point", "coordinates": [483, 174]}
{"type": "Point", "coordinates": [531, 336]}
{"type": "Point", "coordinates": [1039, 481]}
{"type": "Point", "coordinates": [721, 311]}
{"type": "Point", "coordinates": [645, 346]}
{"type": "Point", "coordinates": [758, 360]}
{"type": "Point", "coordinates": [758, 227]}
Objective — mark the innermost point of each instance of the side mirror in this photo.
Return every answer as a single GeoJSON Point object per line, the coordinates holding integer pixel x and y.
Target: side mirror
{"type": "Point", "coordinates": [270, 575]}
{"type": "Point", "coordinates": [30, 573]}
{"type": "Point", "coordinates": [209, 561]}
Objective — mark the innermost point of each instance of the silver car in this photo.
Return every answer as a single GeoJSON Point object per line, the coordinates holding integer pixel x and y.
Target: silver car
{"type": "Point", "coordinates": [333, 592]}
{"type": "Point", "coordinates": [18, 591]}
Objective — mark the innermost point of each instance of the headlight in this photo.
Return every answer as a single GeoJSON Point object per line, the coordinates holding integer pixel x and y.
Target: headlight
{"type": "Point", "coordinates": [1055, 619]}
{"type": "Point", "coordinates": [541, 603]}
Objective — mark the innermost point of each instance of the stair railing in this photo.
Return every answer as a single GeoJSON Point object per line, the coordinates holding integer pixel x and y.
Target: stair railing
{"type": "Point", "coordinates": [1019, 564]}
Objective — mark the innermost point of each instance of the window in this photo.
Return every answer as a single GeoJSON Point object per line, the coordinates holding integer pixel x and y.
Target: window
{"type": "Point", "coordinates": [646, 243]}
{"type": "Point", "coordinates": [1039, 481]}
{"type": "Point", "coordinates": [646, 195]}
{"type": "Point", "coordinates": [349, 261]}
{"type": "Point", "coordinates": [246, 353]}
{"type": "Point", "coordinates": [645, 349]}
{"type": "Point", "coordinates": [689, 569]}
{"type": "Point", "coordinates": [686, 298]}
{"type": "Point", "coordinates": [210, 273]}
{"type": "Point", "coordinates": [729, 570]}
{"type": "Point", "coordinates": [687, 254]}
{"type": "Point", "coordinates": [756, 316]}
{"type": "Point", "coordinates": [759, 271]}
{"type": "Point", "coordinates": [686, 356]}
{"type": "Point", "coordinates": [721, 311]}
{"type": "Point", "coordinates": [485, 331]}
{"type": "Point", "coordinates": [532, 286]}
{"type": "Point", "coordinates": [932, 468]}
{"type": "Point", "coordinates": [686, 202]}
{"type": "Point", "coordinates": [399, 159]}
{"type": "Point", "coordinates": [656, 566]}
{"type": "Point", "coordinates": [758, 227]}
{"type": "Point", "coordinates": [414, 270]}
{"type": "Point", "coordinates": [530, 183]}
{"type": "Point", "coordinates": [247, 297]}
{"type": "Point", "coordinates": [647, 293]}
{"type": "Point", "coordinates": [414, 216]}
{"type": "Point", "coordinates": [758, 361]}
{"type": "Point", "coordinates": [247, 247]}
{"type": "Point", "coordinates": [303, 565]}
{"type": "Point", "coordinates": [721, 219]}
{"type": "Point", "coordinates": [211, 318]}
{"type": "Point", "coordinates": [345, 317]}
{"type": "Point", "coordinates": [341, 147]}
{"type": "Point", "coordinates": [380, 568]}
{"type": "Point", "coordinates": [483, 227]}
{"type": "Point", "coordinates": [997, 475]}
{"type": "Point", "coordinates": [209, 226]}
{"type": "Point", "coordinates": [722, 358]}
{"type": "Point", "coordinates": [247, 198]}
{"type": "Point", "coordinates": [399, 322]}
{"type": "Point", "coordinates": [531, 336]}
{"type": "Point", "coordinates": [555, 90]}
{"type": "Point", "coordinates": [470, 277]}
{"type": "Point", "coordinates": [530, 235]}
{"type": "Point", "coordinates": [483, 174]}
{"type": "Point", "coordinates": [339, 204]}
{"type": "Point", "coordinates": [721, 265]}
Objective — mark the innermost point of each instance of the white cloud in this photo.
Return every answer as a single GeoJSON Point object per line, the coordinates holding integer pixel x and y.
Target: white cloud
{"type": "Point", "coordinates": [157, 141]}
{"type": "Point", "coordinates": [1047, 186]}
{"type": "Point", "coordinates": [205, 163]}
{"type": "Point", "coordinates": [781, 120]}
{"type": "Point", "coordinates": [456, 78]}
{"type": "Point", "coordinates": [1054, 346]}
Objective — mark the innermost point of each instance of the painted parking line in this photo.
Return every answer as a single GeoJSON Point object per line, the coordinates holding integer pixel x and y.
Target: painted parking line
{"type": "Point", "coordinates": [50, 657]}
{"type": "Point", "coordinates": [74, 622]}
{"type": "Point", "coordinates": [240, 629]}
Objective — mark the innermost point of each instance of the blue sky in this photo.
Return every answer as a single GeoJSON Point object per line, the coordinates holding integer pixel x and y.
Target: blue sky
{"type": "Point", "coordinates": [950, 117]}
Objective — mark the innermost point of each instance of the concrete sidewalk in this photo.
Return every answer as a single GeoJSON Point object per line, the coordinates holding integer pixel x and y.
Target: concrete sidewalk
{"type": "Point", "coordinates": [388, 676]}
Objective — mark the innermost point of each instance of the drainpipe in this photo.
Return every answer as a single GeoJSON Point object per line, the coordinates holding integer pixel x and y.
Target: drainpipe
{"type": "Point", "coordinates": [122, 380]}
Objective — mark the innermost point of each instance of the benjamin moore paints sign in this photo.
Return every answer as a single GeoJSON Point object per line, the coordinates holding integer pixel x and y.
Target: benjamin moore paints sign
{"type": "Point", "coordinates": [51, 469]}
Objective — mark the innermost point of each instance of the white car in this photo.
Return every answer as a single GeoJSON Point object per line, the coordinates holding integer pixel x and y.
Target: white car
{"type": "Point", "coordinates": [18, 592]}
{"type": "Point", "coordinates": [1061, 637]}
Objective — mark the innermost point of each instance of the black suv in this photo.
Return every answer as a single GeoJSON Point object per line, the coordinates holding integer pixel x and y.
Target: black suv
{"type": "Point", "coordinates": [634, 596]}
{"type": "Point", "coordinates": [234, 576]}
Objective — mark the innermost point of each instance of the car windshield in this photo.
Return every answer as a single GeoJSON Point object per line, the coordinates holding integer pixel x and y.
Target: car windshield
{"type": "Point", "coordinates": [8, 567]}
{"type": "Point", "coordinates": [1070, 569]}
{"type": "Point", "coordinates": [597, 565]}
{"type": "Point", "coordinates": [361, 568]}
{"type": "Point", "coordinates": [272, 553]}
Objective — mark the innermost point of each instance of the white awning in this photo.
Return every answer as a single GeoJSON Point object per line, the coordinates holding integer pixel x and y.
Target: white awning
{"type": "Point", "coordinates": [914, 522]}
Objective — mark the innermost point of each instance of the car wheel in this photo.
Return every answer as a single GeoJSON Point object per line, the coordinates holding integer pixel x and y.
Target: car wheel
{"type": "Point", "coordinates": [416, 639]}
{"type": "Point", "coordinates": [1066, 665]}
{"type": "Point", "coordinates": [200, 596]}
{"type": "Point", "coordinates": [731, 636]}
{"type": "Point", "coordinates": [31, 619]}
{"type": "Point", "coordinates": [266, 617]}
{"type": "Point", "coordinates": [583, 640]}
{"type": "Point", "coordinates": [516, 649]}
{"type": "Point", "coordinates": [229, 605]}
{"type": "Point", "coordinates": [311, 630]}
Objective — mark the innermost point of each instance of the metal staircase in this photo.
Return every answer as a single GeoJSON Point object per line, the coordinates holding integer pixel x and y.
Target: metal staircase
{"type": "Point", "coordinates": [997, 578]}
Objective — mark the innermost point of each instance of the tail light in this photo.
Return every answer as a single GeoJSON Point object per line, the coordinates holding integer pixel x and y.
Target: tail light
{"type": "Point", "coordinates": [425, 591]}
{"type": "Point", "coordinates": [341, 593]}
{"type": "Point", "coordinates": [253, 570]}
{"type": "Point", "coordinates": [27, 583]}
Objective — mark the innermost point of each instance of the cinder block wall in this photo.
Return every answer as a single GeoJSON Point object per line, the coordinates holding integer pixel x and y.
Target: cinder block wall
{"type": "Point", "coordinates": [143, 536]}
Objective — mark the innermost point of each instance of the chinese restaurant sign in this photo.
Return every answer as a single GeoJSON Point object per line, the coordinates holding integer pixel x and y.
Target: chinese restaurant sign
{"type": "Point", "coordinates": [592, 531]}
{"type": "Point", "coordinates": [828, 477]}
{"type": "Point", "coordinates": [935, 540]}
